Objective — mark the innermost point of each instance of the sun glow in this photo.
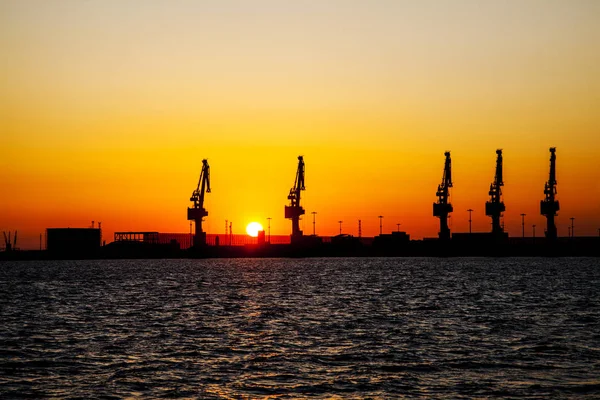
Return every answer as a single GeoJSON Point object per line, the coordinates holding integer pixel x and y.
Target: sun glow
{"type": "Point", "coordinates": [253, 228]}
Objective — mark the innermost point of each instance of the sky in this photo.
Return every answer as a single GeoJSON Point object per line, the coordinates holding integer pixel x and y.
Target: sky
{"type": "Point", "coordinates": [108, 107]}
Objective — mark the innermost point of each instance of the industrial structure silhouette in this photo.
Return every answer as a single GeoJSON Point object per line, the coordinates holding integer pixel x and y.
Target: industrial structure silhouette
{"type": "Point", "coordinates": [197, 212]}
{"type": "Point", "coordinates": [549, 206]}
{"type": "Point", "coordinates": [66, 242]}
{"type": "Point", "coordinates": [295, 210]}
{"type": "Point", "coordinates": [495, 207]}
{"type": "Point", "coordinates": [443, 208]}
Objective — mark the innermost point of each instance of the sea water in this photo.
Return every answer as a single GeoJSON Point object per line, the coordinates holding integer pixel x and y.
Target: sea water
{"type": "Point", "coordinates": [301, 328]}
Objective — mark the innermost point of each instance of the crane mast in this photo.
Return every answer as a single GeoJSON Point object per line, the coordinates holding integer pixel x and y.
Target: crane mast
{"type": "Point", "coordinates": [442, 207]}
{"type": "Point", "coordinates": [295, 210]}
{"type": "Point", "coordinates": [198, 212]}
{"type": "Point", "coordinates": [549, 206]}
{"type": "Point", "coordinates": [495, 207]}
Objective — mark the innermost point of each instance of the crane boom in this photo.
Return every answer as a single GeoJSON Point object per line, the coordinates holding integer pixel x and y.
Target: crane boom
{"type": "Point", "coordinates": [442, 207]}
{"type": "Point", "coordinates": [203, 185]}
{"type": "Point", "coordinates": [295, 210]}
{"type": "Point", "coordinates": [495, 207]}
{"type": "Point", "coordinates": [198, 212]}
{"type": "Point", "coordinates": [549, 206]}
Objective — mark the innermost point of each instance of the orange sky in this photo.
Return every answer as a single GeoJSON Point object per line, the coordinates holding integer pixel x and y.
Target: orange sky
{"type": "Point", "coordinates": [108, 107]}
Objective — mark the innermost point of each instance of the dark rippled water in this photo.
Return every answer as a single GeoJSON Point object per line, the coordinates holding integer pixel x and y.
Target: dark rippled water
{"type": "Point", "coordinates": [285, 328]}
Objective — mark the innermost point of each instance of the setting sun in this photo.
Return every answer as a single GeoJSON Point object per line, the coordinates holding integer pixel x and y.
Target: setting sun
{"type": "Point", "coordinates": [253, 228]}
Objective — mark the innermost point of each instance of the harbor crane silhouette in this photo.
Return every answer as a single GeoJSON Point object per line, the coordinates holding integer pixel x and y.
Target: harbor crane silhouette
{"type": "Point", "coordinates": [549, 206]}
{"type": "Point", "coordinates": [295, 210]}
{"type": "Point", "coordinates": [442, 207]}
{"type": "Point", "coordinates": [198, 212]}
{"type": "Point", "coordinates": [495, 207]}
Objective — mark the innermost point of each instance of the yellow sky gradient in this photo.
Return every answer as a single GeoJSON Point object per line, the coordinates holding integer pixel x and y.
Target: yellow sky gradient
{"type": "Point", "coordinates": [108, 107]}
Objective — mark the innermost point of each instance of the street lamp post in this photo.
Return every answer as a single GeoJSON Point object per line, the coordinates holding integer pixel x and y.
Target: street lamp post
{"type": "Point", "coordinates": [470, 219]}
{"type": "Point", "coordinates": [523, 223]}
{"type": "Point", "coordinates": [572, 227]}
{"type": "Point", "coordinates": [380, 224]}
{"type": "Point", "coordinates": [269, 227]}
{"type": "Point", "coordinates": [340, 222]}
{"type": "Point", "coordinates": [398, 225]}
{"type": "Point", "coordinates": [314, 213]}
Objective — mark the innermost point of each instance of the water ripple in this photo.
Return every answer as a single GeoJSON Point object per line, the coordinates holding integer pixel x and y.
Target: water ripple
{"type": "Point", "coordinates": [314, 328]}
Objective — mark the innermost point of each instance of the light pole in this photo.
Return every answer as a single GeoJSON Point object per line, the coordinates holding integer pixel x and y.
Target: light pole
{"type": "Point", "coordinates": [314, 213]}
{"type": "Point", "coordinates": [523, 223]}
{"type": "Point", "coordinates": [340, 222]}
{"type": "Point", "coordinates": [380, 224]}
{"type": "Point", "coordinates": [572, 227]}
{"type": "Point", "coordinates": [470, 220]}
{"type": "Point", "coordinates": [269, 227]}
{"type": "Point", "coordinates": [398, 225]}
